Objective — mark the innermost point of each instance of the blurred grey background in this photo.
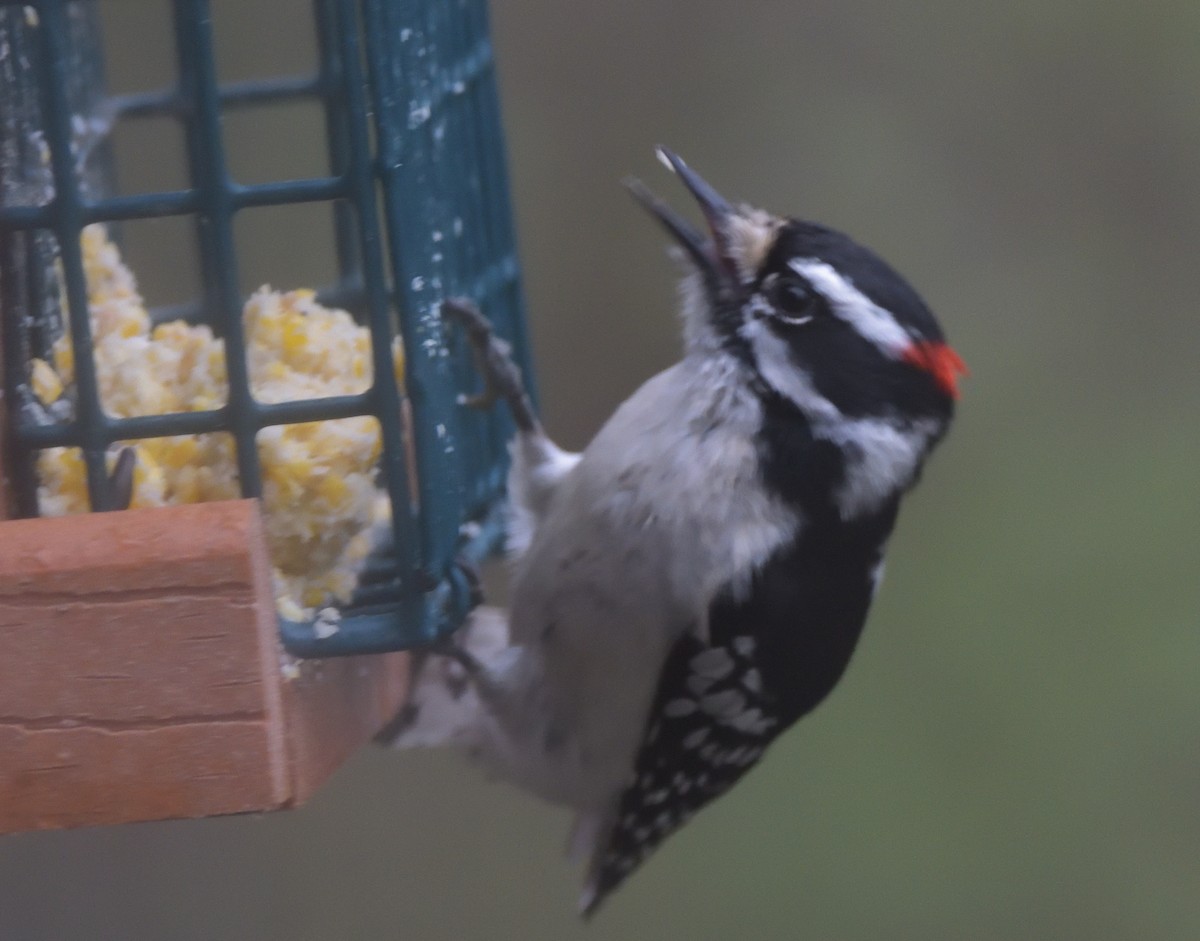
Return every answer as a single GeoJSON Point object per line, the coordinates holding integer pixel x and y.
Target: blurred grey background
{"type": "Point", "coordinates": [1014, 753]}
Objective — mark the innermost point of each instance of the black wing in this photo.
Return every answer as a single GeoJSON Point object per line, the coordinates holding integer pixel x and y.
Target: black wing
{"type": "Point", "coordinates": [773, 655]}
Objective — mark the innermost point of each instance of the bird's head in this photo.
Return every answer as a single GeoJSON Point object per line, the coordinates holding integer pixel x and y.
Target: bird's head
{"type": "Point", "coordinates": [821, 321]}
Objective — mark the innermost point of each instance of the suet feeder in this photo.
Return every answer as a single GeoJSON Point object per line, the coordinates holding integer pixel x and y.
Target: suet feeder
{"type": "Point", "coordinates": [146, 669]}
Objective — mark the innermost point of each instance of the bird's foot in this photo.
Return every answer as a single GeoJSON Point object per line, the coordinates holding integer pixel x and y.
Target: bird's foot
{"type": "Point", "coordinates": [493, 358]}
{"type": "Point", "coordinates": [120, 479]}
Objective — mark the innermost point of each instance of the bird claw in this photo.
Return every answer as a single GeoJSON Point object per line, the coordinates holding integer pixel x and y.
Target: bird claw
{"type": "Point", "coordinates": [120, 480]}
{"type": "Point", "coordinates": [493, 359]}
{"type": "Point", "coordinates": [470, 573]}
{"type": "Point", "coordinates": [447, 646]}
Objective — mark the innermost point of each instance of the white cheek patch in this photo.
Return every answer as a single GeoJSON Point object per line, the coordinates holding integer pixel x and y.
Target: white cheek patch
{"type": "Point", "coordinates": [881, 455]}
{"type": "Point", "coordinates": [881, 458]}
{"type": "Point", "coordinates": [777, 368]}
{"type": "Point", "coordinates": [850, 305]}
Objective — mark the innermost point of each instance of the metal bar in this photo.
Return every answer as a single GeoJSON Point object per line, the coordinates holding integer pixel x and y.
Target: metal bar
{"type": "Point", "coordinates": [142, 206]}
{"type": "Point", "coordinates": [108, 430]}
{"type": "Point", "coordinates": [16, 302]}
{"type": "Point", "coordinates": [457, 257]}
{"type": "Point", "coordinates": [27, 217]}
{"type": "Point", "coordinates": [394, 462]}
{"type": "Point", "coordinates": [398, 58]}
{"type": "Point", "coordinates": [372, 630]}
{"type": "Point", "coordinates": [198, 87]}
{"type": "Point", "coordinates": [509, 301]}
{"type": "Point", "coordinates": [68, 221]}
{"type": "Point", "coordinates": [231, 95]}
{"type": "Point", "coordinates": [500, 210]}
{"type": "Point", "coordinates": [348, 293]}
{"type": "Point", "coordinates": [112, 209]}
{"type": "Point", "coordinates": [140, 426]}
{"type": "Point", "coordinates": [316, 189]}
{"type": "Point", "coordinates": [332, 75]}
{"type": "Point", "coordinates": [326, 409]}
{"type": "Point", "coordinates": [474, 247]}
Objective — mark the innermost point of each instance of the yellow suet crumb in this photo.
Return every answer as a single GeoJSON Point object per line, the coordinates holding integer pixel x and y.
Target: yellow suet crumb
{"type": "Point", "coordinates": [320, 499]}
{"type": "Point", "coordinates": [47, 386]}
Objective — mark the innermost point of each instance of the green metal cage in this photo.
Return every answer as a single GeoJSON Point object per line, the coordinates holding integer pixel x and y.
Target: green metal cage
{"type": "Point", "coordinates": [419, 191]}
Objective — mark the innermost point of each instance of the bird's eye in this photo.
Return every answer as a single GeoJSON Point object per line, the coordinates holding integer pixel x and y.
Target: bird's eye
{"type": "Point", "coordinates": [794, 300]}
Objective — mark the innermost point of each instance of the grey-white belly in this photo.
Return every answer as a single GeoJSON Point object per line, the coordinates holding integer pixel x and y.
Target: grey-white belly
{"type": "Point", "coordinates": [663, 510]}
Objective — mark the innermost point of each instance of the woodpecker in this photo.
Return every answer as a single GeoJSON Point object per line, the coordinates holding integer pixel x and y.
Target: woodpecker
{"type": "Point", "coordinates": [697, 578]}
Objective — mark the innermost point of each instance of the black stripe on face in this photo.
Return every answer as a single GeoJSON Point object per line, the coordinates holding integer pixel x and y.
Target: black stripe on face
{"type": "Point", "coordinates": [828, 370]}
{"type": "Point", "coordinates": [863, 374]}
{"type": "Point", "coordinates": [871, 275]}
{"type": "Point", "coordinates": [851, 371]}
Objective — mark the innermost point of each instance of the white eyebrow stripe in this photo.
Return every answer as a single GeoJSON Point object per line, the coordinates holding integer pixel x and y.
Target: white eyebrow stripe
{"type": "Point", "coordinates": [849, 304]}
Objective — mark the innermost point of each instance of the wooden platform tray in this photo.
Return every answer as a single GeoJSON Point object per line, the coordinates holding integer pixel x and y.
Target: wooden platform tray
{"type": "Point", "coordinates": [141, 676]}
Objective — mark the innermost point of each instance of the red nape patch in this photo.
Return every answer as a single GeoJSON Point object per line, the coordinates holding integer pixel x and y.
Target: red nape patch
{"type": "Point", "coordinates": [940, 361]}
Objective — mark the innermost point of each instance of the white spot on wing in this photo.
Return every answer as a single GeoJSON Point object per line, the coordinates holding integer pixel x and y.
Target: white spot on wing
{"type": "Point", "coordinates": [713, 663]}
{"type": "Point", "coordinates": [763, 727]}
{"type": "Point", "coordinates": [724, 705]}
{"type": "Point", "coordinates": [747, 721]}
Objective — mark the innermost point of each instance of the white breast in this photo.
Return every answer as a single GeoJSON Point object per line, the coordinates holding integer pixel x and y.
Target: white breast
{"type": "Point", "coordinates": [663, 510]}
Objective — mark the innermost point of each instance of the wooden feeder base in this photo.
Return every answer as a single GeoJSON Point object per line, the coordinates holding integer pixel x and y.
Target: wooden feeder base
{"type": "Point", "coordinates": [141, 676]}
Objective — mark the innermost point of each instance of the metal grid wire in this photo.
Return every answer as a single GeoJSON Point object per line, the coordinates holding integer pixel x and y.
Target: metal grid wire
{"type": "Point", "coordinates": [419, 190]}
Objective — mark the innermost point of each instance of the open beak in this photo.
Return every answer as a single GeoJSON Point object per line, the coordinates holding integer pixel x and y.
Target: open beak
{"type": "Point", "coordinates": [710, 253]}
